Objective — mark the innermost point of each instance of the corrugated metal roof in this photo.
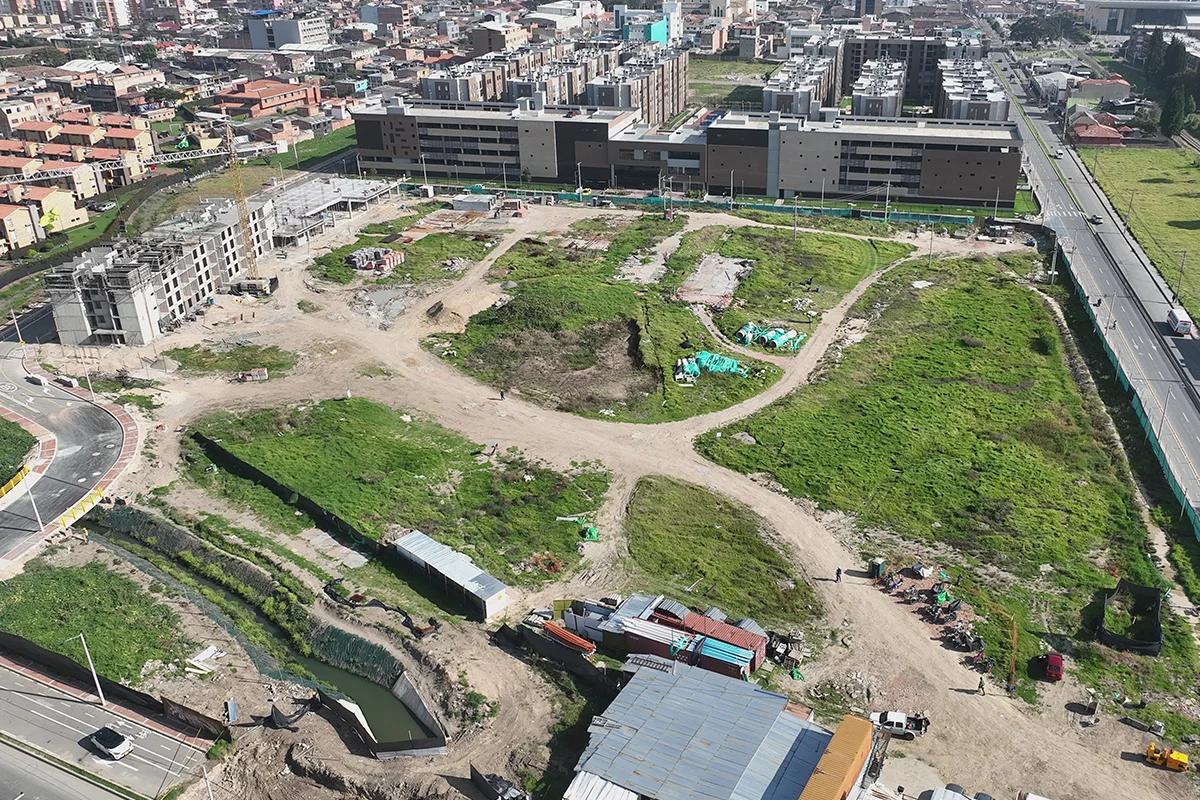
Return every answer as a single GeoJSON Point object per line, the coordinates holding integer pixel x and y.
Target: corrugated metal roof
{"type": "Point", "coordinates": [730, 653]}
{"type": "Point", "coordinates": [843, 759]}
{"type": "Point", "coordinates": [723, 631]}
{"type": "Point", "coordinates": [674, 608]}
{"type": "Point", "coordinates": [586, 786]}
{"type": "Point", "coordinates": [712, 612]}
{"type": "Point", "coordinates": [460, 569]}
{"type": "Point", "coordinates": [748, 624]}
{"type": "Point", "coordinates": [653, 632]}
{"type": "Point", "coordinates": [677, 732]}
{"type": "Point", "coordinates": [636, 606]}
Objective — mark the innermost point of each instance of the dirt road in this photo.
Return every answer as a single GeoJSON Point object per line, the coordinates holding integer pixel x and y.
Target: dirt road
{"type": "Point", "coordinates": [990, 743]}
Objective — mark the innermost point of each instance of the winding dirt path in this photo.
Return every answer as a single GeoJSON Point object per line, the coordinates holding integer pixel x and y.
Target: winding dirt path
{"type": "Point", "coordinates": [990, 743]}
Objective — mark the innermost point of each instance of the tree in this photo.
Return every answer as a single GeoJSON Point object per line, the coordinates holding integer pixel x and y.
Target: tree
{"type": "Point", "coordinates": [1156, 50]}
{"type": "Point", "coordinates": [148, 53]}
{"type": "Point", "coordinates": [1027, 29]}
{"type": "Point", "coordinates": [1173, 113]}
{"type": "Point", "coordinates": [1174, 63]}
{"type": "Point", "coordinates": [47, 56]}
{"type": "Point", "coordinates": [163, 94]}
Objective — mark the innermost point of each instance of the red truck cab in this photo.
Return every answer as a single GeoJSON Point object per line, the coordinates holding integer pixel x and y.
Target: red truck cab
{"type": "Point", "coordinates": [1054, 667]}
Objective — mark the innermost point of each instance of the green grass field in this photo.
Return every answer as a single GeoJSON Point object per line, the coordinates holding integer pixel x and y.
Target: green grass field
{"type": "Point", "coordinates": [680, 534]}
{"type": "Point", "coordinates": [704, 70]}
{"type": "Point", "coordinates": [775, 287]}
{"type": "Point", "coordinates": [724, 94]}
{"type": "Point", "coordinates": [575, 339]}
{"type": "Point", "coordinates": [1166, 206]}
{"type": "Point", "coordinates": [124, 625]}
{"type": "Point", "coordinates": [957, 423]}
{"type": "Point", "coordinates": [422, 259]}
{"type": "Point", "coordinates": [365, 463]}
{"type": "Point", "coordinates": [15, 444]}
{"type": "Point", "coordinates": [21, 293]}
{"type": "Point", "coordinates": [243, 358]}
{"type": "Point", "coordinates": [314, 151]}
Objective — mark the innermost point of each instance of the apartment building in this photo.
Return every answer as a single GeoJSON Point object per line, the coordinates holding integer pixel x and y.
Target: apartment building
{"type": "Point", "coordinates": [879, 90]}
{"type": "Point", "coordinates": [655, 81]}
{"type": "Point", "coordinates": [15, 112]}
{"type": "Point", "coordinates": [968, 89]}
{"type": "Point", "coordinates": [270, 30]}
{"type": "Point", "coordinates": [490, 37]}
{"type": "Point", "coordinates": [521, 72]}
{"type": "Point", "coordinates": [935, 161]}
{"type": "Point", "coordinates": [395, 15]}
{"type": "Point", "coordinates": [561, 16]}
{"type": "Point", "coordinates": [108, 14]}
{"type": "Point", "coordinates": [133, 292]}
{"type": "Point", "coordinates": [919, 55]}
{"type": "Point", "coordinates": [258, 98]}
{"type": "Point", "coordinates": [802, 86]}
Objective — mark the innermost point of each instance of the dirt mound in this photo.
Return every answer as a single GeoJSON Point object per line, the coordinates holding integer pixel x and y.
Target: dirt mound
{"type": "Point", "coordinates": [583, 370]}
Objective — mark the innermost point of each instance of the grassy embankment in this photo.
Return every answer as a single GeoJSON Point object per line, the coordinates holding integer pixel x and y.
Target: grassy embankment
{"type": "Point", "coordinates": [15, 444]}
{"type": "Point", "coordinates": [365, 463]}
{"type": "Point", "coordinates": [775, 293]}
{"type": "Point", "coordinates": [574, 338]}
{"type": "Point", "coordinates": [680, 535]}
{"type": "Point", "coordinates": [199, 360]}
{"type": "Point", "coordinates": [124, 624]}
{"type": "Point", "coordinates": [957, 423]}
{"type": "Point", "coordinates": [1166, 206]}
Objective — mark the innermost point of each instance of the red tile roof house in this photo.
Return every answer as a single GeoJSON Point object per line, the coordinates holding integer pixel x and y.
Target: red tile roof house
{"type": "Point", "coordinates": [259, 98]}
{"type": "Point", "coordinates": [1096, 136]}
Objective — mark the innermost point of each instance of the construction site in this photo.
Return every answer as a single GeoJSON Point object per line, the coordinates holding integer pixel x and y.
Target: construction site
{"type": "Point", "coordinates": [400, 472]}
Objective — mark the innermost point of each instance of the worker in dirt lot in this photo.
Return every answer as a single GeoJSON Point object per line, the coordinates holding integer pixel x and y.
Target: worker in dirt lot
{"type": "Point", "coordinates": [837, 576]}
{"type": "Point", "coordinates": [981, 687]}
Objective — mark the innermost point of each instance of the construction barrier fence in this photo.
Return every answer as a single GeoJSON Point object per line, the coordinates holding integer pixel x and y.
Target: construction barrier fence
{"type": "Point", "coordinates": [14, 480]}
{"type": "Point", "coordinates": [430, 746]}
{"type": "Point", "coordinates": [82, 507]}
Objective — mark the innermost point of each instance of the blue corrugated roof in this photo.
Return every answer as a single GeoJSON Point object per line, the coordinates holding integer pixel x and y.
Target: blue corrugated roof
{"type": "Point", "coordinates": [677, 733]}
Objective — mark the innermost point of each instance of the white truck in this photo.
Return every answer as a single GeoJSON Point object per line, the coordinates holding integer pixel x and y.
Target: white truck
{"type": "Point", "coordinates": [1180, 322]}
{"type": "Point", "coordinates": [901, 725]}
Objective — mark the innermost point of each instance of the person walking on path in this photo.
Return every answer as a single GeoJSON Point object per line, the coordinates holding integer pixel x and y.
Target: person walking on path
{"type": "Point", "coordinates": [838, 576]}
{"type": "Point", "coordinates": [982, 690]}
{"type": "Point", "coordinates": [501, 394]}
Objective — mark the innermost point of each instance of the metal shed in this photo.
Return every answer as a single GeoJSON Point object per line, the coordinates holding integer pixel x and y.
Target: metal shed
{"type": "Point", "coordinates": [483, 593]}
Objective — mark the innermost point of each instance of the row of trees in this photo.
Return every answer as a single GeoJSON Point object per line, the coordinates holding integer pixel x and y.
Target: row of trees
{"type": "Point", "coordinates": [1165, 65]}
{"type": "Point", "coordinates": [1036, 30]}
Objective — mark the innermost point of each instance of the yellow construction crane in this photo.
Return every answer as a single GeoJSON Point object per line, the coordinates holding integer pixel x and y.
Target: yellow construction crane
{"type": "Point", "coordinates": [239, 197]}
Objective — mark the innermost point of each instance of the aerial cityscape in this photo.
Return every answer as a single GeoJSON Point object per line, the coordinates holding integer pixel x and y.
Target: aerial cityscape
{"type": "Point", "coordinates": [578, 400]}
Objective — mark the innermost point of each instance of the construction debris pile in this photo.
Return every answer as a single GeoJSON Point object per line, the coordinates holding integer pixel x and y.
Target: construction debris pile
{"type": "Point", "coordinates": [380, 260]}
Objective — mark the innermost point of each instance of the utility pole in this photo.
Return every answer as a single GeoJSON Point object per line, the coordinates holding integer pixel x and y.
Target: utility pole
{"type": "Point", "coordinates": [1162, 420]}
{"type": "Point", "coordinates": [1054, 262]}
{"type": "Point", "coordinates": [931, 235]}
{"type": "Point", "coordinates": [795, 217]}
{"type": "Point", "coordinates": [732, 191]}
{"type": "Point", "coordinates": [504, 170]}
{"type": "Point", "coordinates": [1095, 163]}
{"type": "Point", "coordinates": [1182, 261]}
{"type": "Point", "coordinates": [91, 666]}
{"type": "Point", "coordinates": [424, 170]}
{"type": "Point", "coordinates": [822, 195]}
{"type": "Point", "coordinates": [1129, 213]}
{"type": "Point", "coordinates": [579, 179]}
{"type": "Point", "coordinates": [996, 208]}
{"type": "Point", "coordinates": [17, 325]}
{"type": "Point", "coordinates": [887, 201]}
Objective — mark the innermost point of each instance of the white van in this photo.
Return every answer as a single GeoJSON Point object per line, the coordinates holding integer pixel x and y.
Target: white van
{"type": "Point", "coordinates": [1060, 153]}
{"type": "Point", "coordinates": [1180, 322]}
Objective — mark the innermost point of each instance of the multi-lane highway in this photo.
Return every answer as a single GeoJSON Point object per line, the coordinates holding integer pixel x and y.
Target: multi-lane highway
{"type": "Point", "coordinates": [88, 444]}
{"type": "Point", "coordinates": [60, 725]}
{"type": "Point", "coordinates": [1129, 299]}
{"type": "Point", "coordinates": [29, 778]}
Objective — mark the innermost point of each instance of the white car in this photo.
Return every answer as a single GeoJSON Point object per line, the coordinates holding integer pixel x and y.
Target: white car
{"type": "Point", "coordinates": [114, 745]}
{"type": "Point", "coordinates": [900, 725]}
{"type": "Point", "coordinates": [1060, 153]}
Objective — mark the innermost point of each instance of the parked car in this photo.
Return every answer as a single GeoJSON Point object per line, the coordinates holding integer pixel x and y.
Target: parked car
{"type": "Point", "coordinates": [901, 725]}
{"type": "Point", "coordinates": [1095, 219]}
{"type": "Point", "coordinates": [114, 745]}
{"type": "Point", "coordinates": [1060, 153]}
{"type": "Point", "coordinates": [1054, 666]}
{"type": "Point", "coordinates": [100, 208]}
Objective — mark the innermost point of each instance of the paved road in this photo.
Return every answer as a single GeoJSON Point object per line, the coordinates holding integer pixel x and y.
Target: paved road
{"type": "Point", "coordinates": [89, 443]}
{"type": "Point", "coordinates": [59, 724]}
{"type": "Point", "coordinates": [1129, 298]}
{"type": "Point", "coordinates": [22, 775]}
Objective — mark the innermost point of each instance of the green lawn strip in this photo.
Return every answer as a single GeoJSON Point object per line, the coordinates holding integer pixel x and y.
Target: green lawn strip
{"type": "Point", "coordinates": [776, 284]}
{"type": "Point", "coordinates": [125, 626]}
{"type": "Point", "coordinates": [1166, 206]}
{"type": "Point", "coordinates": [422, 258]}
{"type": "Point", "coordinates": [957, 422]}
{"type": "Point", "coordinates": [784, 218]}
{"type": "Point", "coordinates": [21, 293]}
{"type": "Point", "coordinates": [365, 463]}
{"type": "Point", "coordinates": [15, 444]}
{"type": "Point", "coordinates": [568, 315]}
{"type": "Point", "coordinates": [724, 93]}
{"type": "Point", "coordinates": [701, 70]}
{"type": "Point", "coordinates": [315, 150]}
{"type": "Point", "coordinates": [682, 535]}
{"type": "Point", "coordinates": [242, 358]}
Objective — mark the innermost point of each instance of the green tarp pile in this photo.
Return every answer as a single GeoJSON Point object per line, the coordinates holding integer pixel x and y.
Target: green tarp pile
{"type": "Point", "coordinates": [780, 338]}
{"type": "Point", "coordinates": [686, 369]}
{"type": "Point", "coordinates": [711, 362]}
{"type": "Point", "coordinates": [748, 332]}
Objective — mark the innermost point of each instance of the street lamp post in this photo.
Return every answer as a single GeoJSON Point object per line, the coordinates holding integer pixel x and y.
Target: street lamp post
{"type": "Point", "coordinates": [731, 190]}
{"type": "Point", "coordinates": [91, 666]}
{"type": "Point", "coordinates": [579, 179]}
{"type": "Point", "coordinates": [1182, 261]}
{"type": "Point", "coordinates": [1163, 419]}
